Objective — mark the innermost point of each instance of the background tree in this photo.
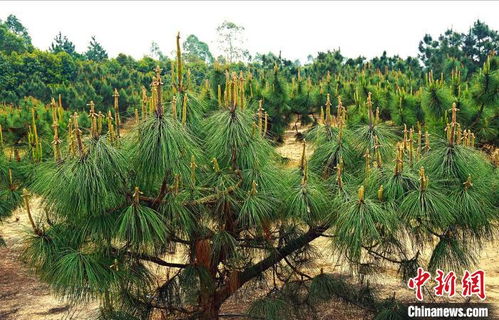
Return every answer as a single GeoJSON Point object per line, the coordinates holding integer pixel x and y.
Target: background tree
{"type": "Point", "coordinates": [195, 50]}
{"type": "Point", "coordinates": [479, 42]}
{"type": "Point", "coordinates": [231, 41]}
{"type": "Point", "coordinates": [156, 52]}
{"type": "Point", "coordinates": [14, 25]}
{"type": "Point", "coordinates": [276, 102]}
{"type": "Point", "coordinates": [484, 110]}
{"type": "Point", "coordinates": [471, 49]}
{"type": "Point", "coordinates": [14, 37]}
{"type": "Point", "coordinates": [43, 75]}
{"type": "Point", "coordinates": [95, 51]}
{"type": "Point", "coordinates": [433, 52]}
{"type": "Point", "coordinates": [63, 44]}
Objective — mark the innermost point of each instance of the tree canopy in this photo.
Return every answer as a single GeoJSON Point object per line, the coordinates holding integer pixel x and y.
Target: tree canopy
{"type": "Point", "coordinates": [95, 51]}
{"type": "Point", "coordinates": [195, 50]}
{"type": "Point", "coordinates": [61, 43]}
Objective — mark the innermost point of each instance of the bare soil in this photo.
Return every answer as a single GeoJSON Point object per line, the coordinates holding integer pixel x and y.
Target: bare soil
{"type": "Point", "coordinates": [22, 295]}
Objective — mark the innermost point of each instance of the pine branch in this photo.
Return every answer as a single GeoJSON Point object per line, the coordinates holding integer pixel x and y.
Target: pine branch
{"type": "Point", "coordinates": [156, 260]}
{"type": "Point", "coordinates": [430, 230]}
{"type": "Point", "coordinates": [159, 261]}
{"type": "Point", "coordinates": [162, 192]}
{"type": "Point", "coordinates": [215, 196]}
{"type": "Point", "coordinates": [279, 254]}
{"type": "Point", "coordinates": [208, 199]}
{"type": "Point", "coordinates": [182, 241]}
{"type": "Point", "coordinates": [379, 255]}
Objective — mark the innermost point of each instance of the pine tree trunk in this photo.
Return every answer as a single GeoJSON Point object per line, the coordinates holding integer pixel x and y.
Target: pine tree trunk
{"type": "Point", "coordinates": [210, 314]}
{"type": "Point", "coordinates": [210, 308]}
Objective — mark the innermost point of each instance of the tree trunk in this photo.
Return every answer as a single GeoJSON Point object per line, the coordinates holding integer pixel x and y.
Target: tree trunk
{"type": "Point", "coordinates": [210, 301]}
{"type": "Point", "coordinates": [210, 314]}
{"type": "Point", "coordinates": [210, 308]}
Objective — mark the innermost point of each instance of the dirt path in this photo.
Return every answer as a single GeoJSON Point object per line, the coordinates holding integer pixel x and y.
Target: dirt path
{"type": "Point", "coordinates": [292, 149]}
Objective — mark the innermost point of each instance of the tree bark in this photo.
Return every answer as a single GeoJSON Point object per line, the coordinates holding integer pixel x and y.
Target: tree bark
{"type": "Point", "coordinates": [210, 309]}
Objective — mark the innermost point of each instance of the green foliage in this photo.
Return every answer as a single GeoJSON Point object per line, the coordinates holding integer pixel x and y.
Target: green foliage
{"type": "Point", "coordinates": [407, 110]}
{"type": "Point", "coordinates": [224, 246]}
{"type": "Point", "coordinates": [276, 101]}
{"type": "Point", "coordinates": [435, 100]}
{"type": "Point", "coordinates": [452, 254]}
{"type": "Point", "coordinates": [141, 228]}
{"type": "Point", "coordinates": [195, 110]}
{"type": "Point", "coordinates": [391, 310]}
{"type": "Point", "coordinates": [331, 151]}
{"type": "Point", "coordinates": [362, 223]}
{"type": "Point", "coordinates": [81, 275]}
{"type": "Point", "coordinates": [243, 140]}
{"type": "Point", "coordinates": [62, 44]}
{"type": "Point", "coordinates": [10, 43]}
{"type": "Point", "coordinates": [428, 208]}
{"type": "Point", "coordinates": [256, 210]}
{"type": "Point", "coordinates": [194, 49]}
{"type": "Point", "coordinates": [456, 162]}
{"type": "Point", "coordinates": [270, 308]}
{"type": "Point", "coordinates": [308, 200]}
{"type": "Point", "coordinates": [159, 146]}
{"type": "Point", "coordinates": [485, 96]}
{"type": "Point", "coordinates": [470, 48]}
{"type": "Point", "coordinates": [324, 287]}
{"type": "Point", "coordinates": [180, 219]}
{"type": "Point", "coordinates": [98, 173]}
{"type": "Point", "coordinates": [366, 135]}
{"type": "Point", "coordinates": [15, 26]}
{"type": "Point", "coordinates": [95, 51]}
{"type": "Point", "coordinates": [475, 208]}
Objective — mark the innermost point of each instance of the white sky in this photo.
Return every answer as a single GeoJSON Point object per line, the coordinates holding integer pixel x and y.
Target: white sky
{"type": "Point", "coordinates": [296, 28]}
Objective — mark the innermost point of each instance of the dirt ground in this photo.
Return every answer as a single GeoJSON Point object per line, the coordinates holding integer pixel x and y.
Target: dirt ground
{"type": "Point", "coordinates": [24, 297]}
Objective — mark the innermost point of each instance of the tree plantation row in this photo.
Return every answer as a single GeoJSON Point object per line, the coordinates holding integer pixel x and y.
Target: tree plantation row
{"type": "Point", "coordinates": [455, 67]}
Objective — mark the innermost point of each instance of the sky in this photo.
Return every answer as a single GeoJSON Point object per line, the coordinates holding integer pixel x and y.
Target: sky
{"type": "Point", "coordinates": [295, 28]}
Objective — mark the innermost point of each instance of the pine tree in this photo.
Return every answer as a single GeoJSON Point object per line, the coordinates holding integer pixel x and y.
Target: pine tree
{"type": "Point", "coordinates": [276, 99]}
{"type": "Point", "coordinates": [63, 44]}
{"type": "Point", "coordinates": [95, 51]}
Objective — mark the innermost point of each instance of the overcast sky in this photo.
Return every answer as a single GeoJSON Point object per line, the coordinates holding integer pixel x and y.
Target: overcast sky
{"type": "Point", "coordinates": [295, 28]}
